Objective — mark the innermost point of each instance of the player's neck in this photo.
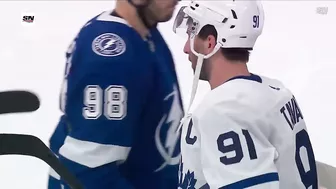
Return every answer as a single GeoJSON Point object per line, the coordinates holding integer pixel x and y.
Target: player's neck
{"type": "Point", "coordinates": [224, 71]}
{"type": "Point", "coordinates": [129, 13]}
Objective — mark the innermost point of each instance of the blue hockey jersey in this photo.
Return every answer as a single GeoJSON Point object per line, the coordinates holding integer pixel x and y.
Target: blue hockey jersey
{"type": "Point", "coordinates": [122, 106]}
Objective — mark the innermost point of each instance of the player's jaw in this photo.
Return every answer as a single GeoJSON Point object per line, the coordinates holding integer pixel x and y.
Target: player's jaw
{"type": "Point", "coordinates": [163, 10]}
{"type": "Point", "coordinates": [191, 56]}
{"type": "Point", "coordinates": [198, 46]}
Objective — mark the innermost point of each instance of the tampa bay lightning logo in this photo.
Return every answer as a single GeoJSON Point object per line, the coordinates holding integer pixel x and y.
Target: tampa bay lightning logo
{"type": "Point", "coordinates": [108, 44]}
{"type": "Point", "coordinates": [172, 119]}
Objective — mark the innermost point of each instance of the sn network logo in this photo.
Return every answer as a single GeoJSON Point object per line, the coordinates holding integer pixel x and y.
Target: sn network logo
{"type": "Point", "coordinates": [27, 18]}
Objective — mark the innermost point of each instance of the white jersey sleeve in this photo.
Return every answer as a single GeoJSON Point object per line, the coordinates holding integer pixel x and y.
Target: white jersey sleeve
{"type": "Point", "coordinates": [237, 155]}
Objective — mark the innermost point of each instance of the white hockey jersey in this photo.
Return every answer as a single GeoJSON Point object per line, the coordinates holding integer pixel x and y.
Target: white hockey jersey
{"type": "Point", "coordinates": [247, 133]}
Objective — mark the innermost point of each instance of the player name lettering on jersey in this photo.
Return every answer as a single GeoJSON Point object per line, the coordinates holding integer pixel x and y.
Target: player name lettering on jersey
{"type": "Point", "coordinates": [291, 112]}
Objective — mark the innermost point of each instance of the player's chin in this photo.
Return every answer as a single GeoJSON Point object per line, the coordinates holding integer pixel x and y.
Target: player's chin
{"type": "Point", "coordinates": [166, 17]}
{"type": "Point", "coordinates": [203, 78]}
{"type": "Point", "coordinates": [193, 66]}
{"type": "Point", "coordinates": [193, 70]}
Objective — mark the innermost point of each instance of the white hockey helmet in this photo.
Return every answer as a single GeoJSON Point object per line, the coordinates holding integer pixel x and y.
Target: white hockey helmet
{"type": "Point", "coordinates": [238, 24]}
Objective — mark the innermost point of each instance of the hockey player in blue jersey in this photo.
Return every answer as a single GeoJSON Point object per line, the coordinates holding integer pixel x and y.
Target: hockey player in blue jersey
{"type": "Point", "coordinates": [121, 102]}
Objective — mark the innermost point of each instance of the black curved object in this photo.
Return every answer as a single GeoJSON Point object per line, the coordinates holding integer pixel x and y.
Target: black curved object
{"type": "Point", "coordinates": [29, 145]}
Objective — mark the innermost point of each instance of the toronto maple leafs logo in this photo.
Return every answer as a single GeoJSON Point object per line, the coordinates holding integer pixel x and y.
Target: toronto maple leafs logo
{"type": "Point", "coordinates": [187, 181]}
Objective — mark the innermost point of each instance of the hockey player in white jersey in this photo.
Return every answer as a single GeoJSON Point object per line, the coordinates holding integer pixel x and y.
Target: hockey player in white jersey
{"type": "Point", "coordinates": [248, 132]}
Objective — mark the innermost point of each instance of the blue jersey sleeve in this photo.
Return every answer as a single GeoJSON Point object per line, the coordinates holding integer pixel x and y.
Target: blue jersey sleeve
{"type": "Point", "coordinates": [108, 82]}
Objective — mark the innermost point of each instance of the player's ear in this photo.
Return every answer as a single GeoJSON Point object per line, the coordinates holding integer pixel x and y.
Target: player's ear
{"type": "Point", "coordinates": [210, 43]}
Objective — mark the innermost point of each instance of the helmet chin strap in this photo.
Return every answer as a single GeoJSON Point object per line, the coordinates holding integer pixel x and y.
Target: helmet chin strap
{"type": "Point", "coordinates": [199, 64]}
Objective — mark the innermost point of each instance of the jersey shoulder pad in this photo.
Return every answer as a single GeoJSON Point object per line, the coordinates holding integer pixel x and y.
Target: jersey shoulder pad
{"type": "Point", "coordinates": [110, 38]}
{"type": "Point", "coordinates": [277, 90]}
{"type": "Point", "coordinates": [273, 83]}
{"type": "Point", "coordinates": [236, 99]}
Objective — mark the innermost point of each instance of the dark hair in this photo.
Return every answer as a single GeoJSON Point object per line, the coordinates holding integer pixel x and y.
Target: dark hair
{"type": "Point", "coordinates": [232, 54]}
